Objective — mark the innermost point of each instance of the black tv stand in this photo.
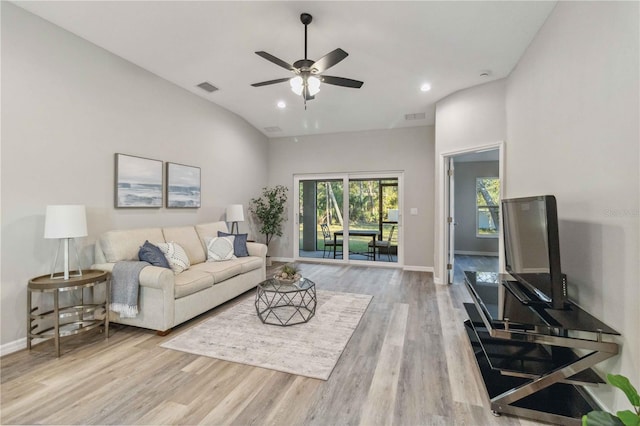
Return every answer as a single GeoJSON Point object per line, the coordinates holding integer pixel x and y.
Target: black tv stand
{"type": "Point", "coordinates": [525, 352]}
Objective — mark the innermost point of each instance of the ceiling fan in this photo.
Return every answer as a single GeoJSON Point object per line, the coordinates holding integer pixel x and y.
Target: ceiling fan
{"type": "Point", "coordinates": [308, 74]}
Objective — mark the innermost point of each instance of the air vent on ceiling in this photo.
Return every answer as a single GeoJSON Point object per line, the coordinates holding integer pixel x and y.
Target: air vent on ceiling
{"type": "Point", "coordinates": [416, 116]}
{"type": "Point", "coordinates": [206, 86]}
{"type": "Point", "coordinates": [272, 129]}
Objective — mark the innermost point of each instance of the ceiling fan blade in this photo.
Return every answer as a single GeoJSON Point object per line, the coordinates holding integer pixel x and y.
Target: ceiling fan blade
{"type": "Point", "coordinates": [329, 60]}
{"type": "Point", "coordinates": [341, 81]}
{"type": "Point", "coordinates": [275, 60]}
{"type": "Point", "coordinates": [266, 83]}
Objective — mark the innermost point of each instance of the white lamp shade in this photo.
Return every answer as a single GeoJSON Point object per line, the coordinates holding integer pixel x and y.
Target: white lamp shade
{"type": "Point", "coordinates": [296, 85]}
{"type": "Point", "coordinates": [65, 221]}
{"type": "Point", "coordinates": [235, 213]}
{"type": "Point", "coordinates": [392, 215]}
{"type": "Point", "coordinates": [314, 85]}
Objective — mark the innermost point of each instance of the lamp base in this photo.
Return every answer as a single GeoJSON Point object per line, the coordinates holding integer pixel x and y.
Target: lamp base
{"type": "Point", "coordinates": [61, 276]}
{"type": "Point", "coordinates": [234, 224]}
{"type": "Point", "coordinates": [65, 273]}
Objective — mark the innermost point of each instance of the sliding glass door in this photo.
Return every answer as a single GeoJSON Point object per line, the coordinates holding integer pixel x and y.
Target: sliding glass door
{"type": "Point", "coordinates": [361, 224]}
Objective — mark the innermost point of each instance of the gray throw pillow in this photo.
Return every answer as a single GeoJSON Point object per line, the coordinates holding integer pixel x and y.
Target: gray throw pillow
{"type": "Point", "coordinates": [152, 254]}
{"type": "Point", "coordinates": [239, 243]}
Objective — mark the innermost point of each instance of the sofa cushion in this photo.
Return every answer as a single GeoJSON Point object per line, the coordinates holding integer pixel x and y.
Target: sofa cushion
{"type": "Point", "coordinates": [191, 281]}
{"type": "Point", "coordinates": [220, 270]}
{"type": "Point", "coordinates": [210, 230]}
{"type": "Point", "coordinates": [124, 244]}
{"type": "Point", "coordinates": [176, 256]}
{"type": "Point", "coordinates": [188, 238]}
{"type": "Point", "coordinates": [239, 243]}
{"type": "Point", "coordinates": [152, 254]}
{"type": "Point", "coordinates": [220, 249]}
{"type": "Point", "coordinates": [249, 263]}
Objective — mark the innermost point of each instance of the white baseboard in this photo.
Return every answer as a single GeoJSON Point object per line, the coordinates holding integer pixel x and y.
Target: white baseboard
{"type": "Point", "coordinates": [15, 346]}
{"type": "Point", "coordinates": [418, 268]}
{"type": "Point", "coordinates": [476, 253]}
{"type": "Point", "coordinates": [437, 280]}
{"type": "Point", "coordinates": [281, 259]}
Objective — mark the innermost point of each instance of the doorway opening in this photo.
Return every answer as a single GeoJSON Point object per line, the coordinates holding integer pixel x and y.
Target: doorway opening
{"type": "Point", "coordinates": [473, 190]}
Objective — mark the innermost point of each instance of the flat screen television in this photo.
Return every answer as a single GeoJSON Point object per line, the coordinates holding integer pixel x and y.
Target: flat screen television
{"type": "Point", "coordinates": [532, 250]}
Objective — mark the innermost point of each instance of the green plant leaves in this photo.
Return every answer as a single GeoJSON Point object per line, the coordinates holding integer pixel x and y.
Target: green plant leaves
{"type": "Point", "coordinates": [626, 417]}
{"type": "Point", "coordinates": [629, 418]}
{"type": "Point", "coordinates": [269, 210]}
{"type": "Point", "coordinates": [625, 386]}
{"type": "Point", "coordinates": [600, 418]}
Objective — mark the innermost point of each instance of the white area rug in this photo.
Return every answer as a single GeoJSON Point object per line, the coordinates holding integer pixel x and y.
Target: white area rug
{"type": "Point", "coordinates": [310, 349]}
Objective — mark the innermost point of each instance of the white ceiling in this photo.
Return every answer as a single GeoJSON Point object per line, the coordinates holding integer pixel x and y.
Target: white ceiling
{"type": "Point", "coordinates": [393, 47]}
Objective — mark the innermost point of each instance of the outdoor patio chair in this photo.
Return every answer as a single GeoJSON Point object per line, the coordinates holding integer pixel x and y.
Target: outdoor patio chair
{"type": "Point", "coordinates": [380, 244]}
{"type": "Point", "coordinates": [329, 242]}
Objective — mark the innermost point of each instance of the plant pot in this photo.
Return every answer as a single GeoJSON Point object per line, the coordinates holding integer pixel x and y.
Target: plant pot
{"type": "Point", "coordinates": [287, 281]}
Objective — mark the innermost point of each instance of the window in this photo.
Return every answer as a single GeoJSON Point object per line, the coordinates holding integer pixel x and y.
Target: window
{"type": "Point", "coordinates": [487, 207]}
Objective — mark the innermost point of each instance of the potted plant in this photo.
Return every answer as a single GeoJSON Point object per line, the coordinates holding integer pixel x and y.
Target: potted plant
{"type": "Point", "coordinates": [289, 274]}
{"type": "Point", "coordinates": [626, 417]}
{"type": "Point", "coordinates": [269, 210]}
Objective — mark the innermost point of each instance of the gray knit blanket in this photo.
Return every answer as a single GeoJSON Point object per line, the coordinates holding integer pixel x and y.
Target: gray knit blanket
{"type": "Point", "coordinates": [125, 281]}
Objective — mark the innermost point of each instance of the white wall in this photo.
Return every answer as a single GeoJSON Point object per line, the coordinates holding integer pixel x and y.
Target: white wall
{"type": "Point", "coordinates": [67, 107]}
{"type": "Point", "coordinates": [572, 129]}
{"type": "Point", "coordinates": [409, 150]}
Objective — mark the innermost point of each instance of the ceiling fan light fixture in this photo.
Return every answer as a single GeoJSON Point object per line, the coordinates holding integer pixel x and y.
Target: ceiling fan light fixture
{"type": "Point", "coordinates": [297, 85]}
{"type": "Point", "coordinates": [314, 85]}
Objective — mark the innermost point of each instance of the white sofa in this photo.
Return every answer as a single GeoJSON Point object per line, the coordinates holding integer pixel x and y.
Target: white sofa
{"type": "Point", "coordinates": [166, 300]}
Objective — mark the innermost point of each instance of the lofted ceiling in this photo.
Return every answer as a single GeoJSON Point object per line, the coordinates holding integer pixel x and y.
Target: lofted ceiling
{"type": "Point", "coordinates": [394, 47]}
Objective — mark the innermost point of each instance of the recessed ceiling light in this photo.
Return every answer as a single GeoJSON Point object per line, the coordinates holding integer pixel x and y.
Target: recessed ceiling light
{"type": "Point", "coordinates": [282, 104]}
{"type": "Point", "coordinates": [425, 87]}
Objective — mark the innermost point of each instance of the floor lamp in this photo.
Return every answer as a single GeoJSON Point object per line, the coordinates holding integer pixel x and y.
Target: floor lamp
{"type": "Point", "coordinates": [65, 222]}
{"type": "Point", "coordinates": [235, 214]}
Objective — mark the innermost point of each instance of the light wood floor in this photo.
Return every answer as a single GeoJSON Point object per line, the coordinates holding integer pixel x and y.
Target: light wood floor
{"type": "Point", "coordinates": [408, 363]}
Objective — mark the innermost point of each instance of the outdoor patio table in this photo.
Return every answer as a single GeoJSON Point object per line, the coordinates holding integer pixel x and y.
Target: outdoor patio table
{"type": "Point", "coordinates": [359, 233]}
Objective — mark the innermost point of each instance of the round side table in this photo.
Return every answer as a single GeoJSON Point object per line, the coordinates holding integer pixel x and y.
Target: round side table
{"type": "Point", "coordinates": [79, 324]}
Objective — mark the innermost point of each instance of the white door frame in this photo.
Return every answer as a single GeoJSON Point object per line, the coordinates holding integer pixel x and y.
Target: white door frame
{"type": "Point", "coordinates": [441, 215]}
{"type": "Point", "coordinates": [345, 215]}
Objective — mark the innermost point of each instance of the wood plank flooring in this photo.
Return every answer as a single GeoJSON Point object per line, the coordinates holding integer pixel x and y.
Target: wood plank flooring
{"type": "Point", "coordinates": [408, 363]}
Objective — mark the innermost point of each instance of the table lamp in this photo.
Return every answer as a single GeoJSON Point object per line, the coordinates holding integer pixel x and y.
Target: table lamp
{"type": "Point", "coordinates": [235, 214]}
{"type": "Point", "coordinates": [65, 222]}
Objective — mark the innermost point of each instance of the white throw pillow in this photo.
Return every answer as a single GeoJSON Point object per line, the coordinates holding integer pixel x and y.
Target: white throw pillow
{"type": "Point", "coordinates": [220, 248]}
{"type": "Point", "coordinates": [176, 256]}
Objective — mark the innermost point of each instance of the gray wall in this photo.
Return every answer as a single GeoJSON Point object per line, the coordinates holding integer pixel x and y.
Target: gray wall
{"type": "Point", "coordinates": [572, 108]}
{"type": "Point", "coordinates": [409, 150]}
{"type": "Point", "coordinates": [465, 207]}
{"type": "Point", "coordinates": [67, 107]}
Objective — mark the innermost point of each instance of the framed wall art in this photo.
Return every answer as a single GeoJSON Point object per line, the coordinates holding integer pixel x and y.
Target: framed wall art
{"type": "Point", "coordinates": [138, 182]}
{"type": "Point", "coordinates": [183, 186]}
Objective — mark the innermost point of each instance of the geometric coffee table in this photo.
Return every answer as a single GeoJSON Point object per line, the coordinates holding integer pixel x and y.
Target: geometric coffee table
{"type": "Point", "coordinates": [284, 304]}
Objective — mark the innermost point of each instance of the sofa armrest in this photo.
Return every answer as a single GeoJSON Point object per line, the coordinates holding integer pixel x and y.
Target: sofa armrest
{"type": "Point", "coordinates": [150, 276]}
{"type": "Point", "coordinates": [257, 249]}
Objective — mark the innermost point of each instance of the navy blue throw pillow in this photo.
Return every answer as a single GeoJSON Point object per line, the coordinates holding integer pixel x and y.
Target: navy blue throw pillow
{"type": "Point", "coordinates": [239, 243]}
{"type": "Point", "coordinates": [152, 254]}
